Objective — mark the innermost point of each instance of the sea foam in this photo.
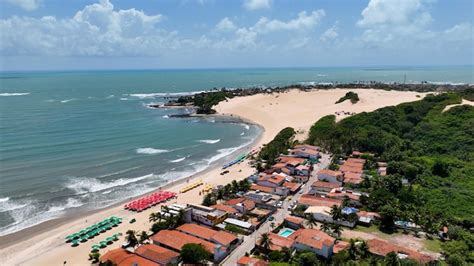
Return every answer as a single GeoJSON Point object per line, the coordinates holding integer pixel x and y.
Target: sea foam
{"type": "Point", "coordinates": [150, 151]}
{"type": "Point", "coordinates": [86, 185]}
{"type": "Point", "coordinates": [162, 94]}
{"type": "Point", "coordinates": [209, 141]}
{"type": "Point", "coordinates": [6, 94]}
{"type": "Point", "coordinates": [178, 160]}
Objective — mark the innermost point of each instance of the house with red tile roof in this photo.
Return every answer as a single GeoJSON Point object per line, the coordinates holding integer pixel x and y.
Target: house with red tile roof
{"type": "Point", "coordinates": [382, 248]}
{"type": "Point", "coordinates": [122, 257]}
{"type": "Point", "coordinates": [222, 238]}
{"type": "Point", "coordinates": [306, 151]}
{"type": "Point", "coordinates": [352, 178]}
{"type": "Point", "coordinates": [228, 209]}
{"type": "Point", "coordinates": [340, 246]}
{"type": "Point", "coordinates": [294, 222]}
{"type": "Point", "coordinates": [265, 189]}
{"type": "Point", "coordinates": [330, 176]}
{"type": "Point", "coordinates": [248, 261]}
{"type": "Point", "coordinates": [278, 242]}
{"type": "Point", "coordinates": [242, 204]}
{"type": "Point", "coordinates": [157, 254]}
{"type": "Point", "coordinates": [310, 200]}
{"type": "Point", "coordinates": [270, 180]}
{"type": "Point", "coordinates": [322, 188]}
{"type": "Point", "coordinates": [341, 193]}
{"type": "Point", "coordinates": [350, 168]}
{"type": "Point", "coordinates": [175, 240]}
{"type": "Point", "coordinates": [293, 187]}
{"type": "Point", "coordinates": [313, 240]}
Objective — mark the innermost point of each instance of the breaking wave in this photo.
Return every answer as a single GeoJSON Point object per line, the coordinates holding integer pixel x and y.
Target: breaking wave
{"type": "Point", "coordinates": [150, 151]}
{"type": "Point", "coordinates": [85, 185]}
{"type": "Point", "coordinates": [6, 94]}
{"type": "Point", "coordinates": [209, 141]}
{"type": "Point", "coordinates": [163, 94]}
{"type": "Point", "coordinates": [178, 160]}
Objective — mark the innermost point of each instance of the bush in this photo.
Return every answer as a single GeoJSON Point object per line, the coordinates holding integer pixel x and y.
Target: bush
{"type": "Point", "coordinates": [352, 96]}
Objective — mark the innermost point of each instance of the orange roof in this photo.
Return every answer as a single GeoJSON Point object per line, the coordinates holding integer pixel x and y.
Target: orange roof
{"type": "Point", "coordinates": [318, 201]}
{"type": "Point", "coordinates": [294, 219]}
{"type": "Point", "coordinates": [279, 165]}
{"type": "Point", "coordinates": [368, 214]}
{"type": "Point", "coordinates": [339, 246]}
{"type": "Point", "coordinates": [234, 201]}
{"type": "Point", "coordinates": [225, 208]}
{"type": "Point", "coordinates": [329, 172]}
{"type": "Point", "coordinates": [278, 242]}
{"type": "Point", "coordinates": [249, 204]}
{"type": "Point", "coordinates": [352, 178]}
{"type": "Point", "coordinates": [248, 261]}
{"type": "Point", "coordinates": [343, 194]}
{"type": "Point", "coordinates": [157, 254]}
{"type": "Point", "coordinates": [356, 160]}
{"type": "Point", "coordinates": [292, 160]}
{"type": "Point", "coordinates": [382, 248]}
{"type": "Point", "coordinates": [121, 257]}
{"type": "Point", "coordinates": [176, 240]}
{"type": "Point", "coordinates": [286, 171]}
{"type": "Point", "coordinates": [292, 186]}
{"type": "Point", "coordinates": [322, 184]}
{"type": "Point", "coordinates": [275, 179]}
{"type": "Point", "coordinates": [349, 168]}
{"type": "Point", "coordinates": [308, 147]}
{"type": "Point", "coordinates": [208, 234]}
{"type": "Point", "coordinates": [262, 188]}
{"type": "Point", "coordinates": [312, 238]}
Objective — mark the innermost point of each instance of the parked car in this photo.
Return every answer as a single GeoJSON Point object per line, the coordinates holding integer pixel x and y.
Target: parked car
{"type": "Point", "coordinates": [279, 204]}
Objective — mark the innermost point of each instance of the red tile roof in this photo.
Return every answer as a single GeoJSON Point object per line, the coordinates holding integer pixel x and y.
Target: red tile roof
{"type": "Point", "coordinates": [279, 165]}
{"type": "Point", "coordinates": [121, 257]}
{"type": "Point", "coordinates": [308, 147]}
{"type": "Point", "coordinates": [350, 168]}
{"type": "Point", "coordinates": [275, 179]}
{"type": "Point", "coordinates": [291, 160]}
{"type": "Point", "coordinates": [248, 261]}
{"type": "Point", "coordinates": [208, 234]}
{"type": "Point", "coordinates": [249, 204]}
{"type": "Point", "coordinates": [157, 254]}
{"type": "Point", "coordinates": [278, 242]}
{"type": "Point", "coordinates": [176, 240]}
{"type": "Point", "coordinates": [342, 195]}
{"type": "Point", "coordinates": [311, 200]}
{"type": "Point", "coordinates": [312, 238]}
{"type": "Point", "coordinates": [323, 184]}
{"type": "Point", "coordinates": [356, 160]}
{"type": "Point", "coordinates": [225, 208]}
{"type": "Point", "coordinates": [329, 172]}
{"type": "Point", "coordinates": [262, 188]}
{"type": "Point", "coordinates": [294, 219]}
{"type": "Point", "coordinates": [340, 246]}
{"type": "Point", "coordinates": [234, 201]}
{"type": "Point", "coordinates": [352, 178]}
{"type": "Point", "coordinates": [292, 186]}
{"type": "Point", "coordinates": [382, 248]}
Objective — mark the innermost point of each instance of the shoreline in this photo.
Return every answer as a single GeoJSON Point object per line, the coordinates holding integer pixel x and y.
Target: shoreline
{"type": "Point", "coordinates": [18, 236]}
{"type": "Point", "coordinates": [270, 112]}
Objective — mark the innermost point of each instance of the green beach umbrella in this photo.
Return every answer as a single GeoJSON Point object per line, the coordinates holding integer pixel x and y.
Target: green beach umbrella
{"type": "Point", "coordinates": [115, 237]}
{"type": "Point", "coordinates": [103, 244]}
{"type": "Point", "coordinates": [109, 239]}
{"type": "Point", "coordinates": [75, 243]}
{"type": "Point", "coordinates": [90, 235]}
{"type": "Point", "coordinates": [95, 246]}
{"type": "Point", "coordinates": [71, 236]}
{"type": "Point", "coordinates": [83, 239]}
{"type": "Point", "coordinates": [83, 232]}
{"type": "Point", "coordinates": [76, 235]}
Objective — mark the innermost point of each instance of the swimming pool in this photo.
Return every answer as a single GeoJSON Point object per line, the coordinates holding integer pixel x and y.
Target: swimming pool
{"type": "Point", "coordinates": [286, 232]}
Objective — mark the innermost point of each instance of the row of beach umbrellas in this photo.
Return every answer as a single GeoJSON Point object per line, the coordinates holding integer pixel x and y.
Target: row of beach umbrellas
{"type": "Point", "coordinates": [104, 243]}
{"type": "Point", "coordinates": [149, 201]}
{"type": "Point", "coordinates": [93, 230]}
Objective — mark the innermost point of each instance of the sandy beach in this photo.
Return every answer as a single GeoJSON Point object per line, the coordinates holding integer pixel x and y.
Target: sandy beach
{"type": "Point", "coordinates": [272, 112]}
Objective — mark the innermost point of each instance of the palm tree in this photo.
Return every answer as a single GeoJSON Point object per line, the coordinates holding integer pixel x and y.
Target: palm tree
{"type": "Point", "coordinates": [131, 238]}
{"type": "Point", "coordinates": [391, 259]}
{"type": "Point", "coordinates": [363, 249]}
{"type": "Point", "coordinates": [310, 221]}
{"type": "Point", "coordinates": [265, 242]}
{"type": "Point", "coordinates": [286, 254]}
{"type": "Point", "coordinates": [336, 229]}
{"type": "Point", "coordinates": [336, 212]}
{"type": "Point", "coordinates": [143, 237]}
{"type": "Point", "coordinates": [352, 249]}
{"type": "Point", "coordinates": [325, 227]}
{"type": "Point", "coordinates": [155, 216]}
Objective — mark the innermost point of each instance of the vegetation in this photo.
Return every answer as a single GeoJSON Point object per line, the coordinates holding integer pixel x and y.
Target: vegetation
{"type": "Point", "coordinates": [265, 242]}
{"type": "Point", "coordinates": [131, 238]}
{"type": "Point", "coordinates": [279, 145]}
{"type": "Point", "coordinates": [431, 150]}
{"type": "Point", "coordinates": [194, 254]}
{"type": "Point", "coordinates": [352, 96]}
{"type": "Point", "coordinates": [235, 229]}
{"type": "Point", "coordinates": [226, 192]}
{"type": "Point", "coordinates": [94, 256]}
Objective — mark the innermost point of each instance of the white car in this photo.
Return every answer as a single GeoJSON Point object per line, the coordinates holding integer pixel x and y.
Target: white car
{"type": "Point", "coordinates": [279, 204]}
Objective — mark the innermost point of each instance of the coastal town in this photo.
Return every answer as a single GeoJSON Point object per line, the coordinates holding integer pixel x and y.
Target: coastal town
{"type": "Point", "coordinates": [297, 207]}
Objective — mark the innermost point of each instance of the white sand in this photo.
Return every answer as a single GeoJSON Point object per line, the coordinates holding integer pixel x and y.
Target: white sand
{"type": "Point", "coordinates": [273, 112]}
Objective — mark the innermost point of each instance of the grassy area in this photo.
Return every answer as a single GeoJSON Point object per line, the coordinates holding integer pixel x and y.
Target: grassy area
{"type": "Point", "coordinates": [371, 229]}
{"type": "Point", "coordinates": [432, 245]}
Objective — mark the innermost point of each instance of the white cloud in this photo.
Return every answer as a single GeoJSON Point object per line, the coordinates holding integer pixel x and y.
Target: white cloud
{"type": "Point", "coordinates": [389, 12]}
{"type": "Point", "coordinates": [257, 4]}
{"type": "Point", "coordinates": [226, 25]}
{"type": "Point", "coordinates": [329, 34]}
{"type": "Point", "coordinates": [304, 21]}
{"type": "Point", "coordinates": [28, 5]}
{"type": "Point", "coordinates": [460, 32]}
{"type": "Point", "coordinates": [98, 29]}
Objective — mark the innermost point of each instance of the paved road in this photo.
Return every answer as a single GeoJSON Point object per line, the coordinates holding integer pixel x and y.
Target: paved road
{"type": "Point", "coordinates": [249, 241]}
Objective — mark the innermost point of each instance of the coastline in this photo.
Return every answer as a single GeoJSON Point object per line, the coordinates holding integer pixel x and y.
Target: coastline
{"type": "Point", "coordinates": [270, 112]}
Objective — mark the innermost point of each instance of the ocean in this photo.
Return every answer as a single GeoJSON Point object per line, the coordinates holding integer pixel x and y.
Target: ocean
{"type": "Point", "coordinates": [82, 140]}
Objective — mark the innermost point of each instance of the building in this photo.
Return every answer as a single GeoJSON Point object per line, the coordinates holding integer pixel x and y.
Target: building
{"type": "Point", "coordinates": [245, 226]}
{"type": "Point", "coordinates": [205, 215]}
{"type": "Point", "coordinates": [341, 193]}
{"type": "Point", "coordinates": [366, 218]}
{"type": "Point", "coordinates": [353, 178]}
{"type": "Point", "coordinates": [222, 238]}
{"type": "Point", "coordinates": [323, 214]}
{"type": "Point", "coordinates": [175, 240]}
{"type": "Point", "coordinates": [242, 205]}
{"type": "Point", "coordinates": [294, 222]}
{"type": "Point", "coordinates": [382, 248]}
{"type": "Point", "coordinates": [322, 188]}
{"type": "Point", "coordinates": [310, 200]}
{"type": "Point", "coordinates": [340, 246]}
{"type": "Point", "coordinates": [330, 176]}
{"type": "Point", "coordinates": [271, 180]}
{"type": "Point", "coordinates": [158, 254]}
{"type": "Point", "coordinates": [303, 170]}
{"type": "Point", "coordinates": [231, 212]}
{"type": "Point", "coordinates": [122, 257]}
{"type": "Point", "coordinates": [258, 197]}
{"type": "Point", "coordinates": [313, 240]}
{"type": "Point", "coordinates": [306, 151]}
{"type": "Point", "coordinates": [248, 261]}
{"type": "Point", "coordinates": [279, 242]}
{"type": "Point", "coordinates": [265, 189]}
{"type": "Point", "coordinates": [292, 187]}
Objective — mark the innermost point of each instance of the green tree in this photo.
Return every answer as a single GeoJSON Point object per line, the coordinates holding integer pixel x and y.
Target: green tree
{"type": "Point", "coordinates": [440, 168]}
{"type": "Point", "coordinates": [336, 230]}
{"type": "Point", "coordinates": [131, 238]}
{"type": "Point", "coordinates": [209, 200]}
{"type": "Point", "coordinates": [94, 257]}
{"type": "Point", "coordinates": [336, 213]}
{"type": "Point", "coordinates": [363, 249]}
{"type": "Point", "coordinates": [143, 237]}
{"type": "Point", "coordinates": [307, 259]}
{"type": "Point", "coordinates": [194, 253]}
{"type": "Point", "coordinates": [325, 227]}
{"type": "Point", "coordinates": [265, 242]}
{"type": "Point", "coordinates": [391, 259]}
{"type": "Point", "coordinates": [310, 221]}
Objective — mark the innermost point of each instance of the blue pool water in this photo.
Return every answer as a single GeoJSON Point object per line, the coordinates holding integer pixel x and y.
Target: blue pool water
{"type": "Point", "coordinates": [286, 232]}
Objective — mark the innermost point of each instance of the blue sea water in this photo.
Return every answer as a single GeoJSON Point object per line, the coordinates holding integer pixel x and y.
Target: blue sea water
{"type": "Point", "coordinates": [84, 140]}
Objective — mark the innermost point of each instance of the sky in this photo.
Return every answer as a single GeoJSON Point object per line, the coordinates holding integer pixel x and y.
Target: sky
{"type": "Point", "coordinates": [153, 34]}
